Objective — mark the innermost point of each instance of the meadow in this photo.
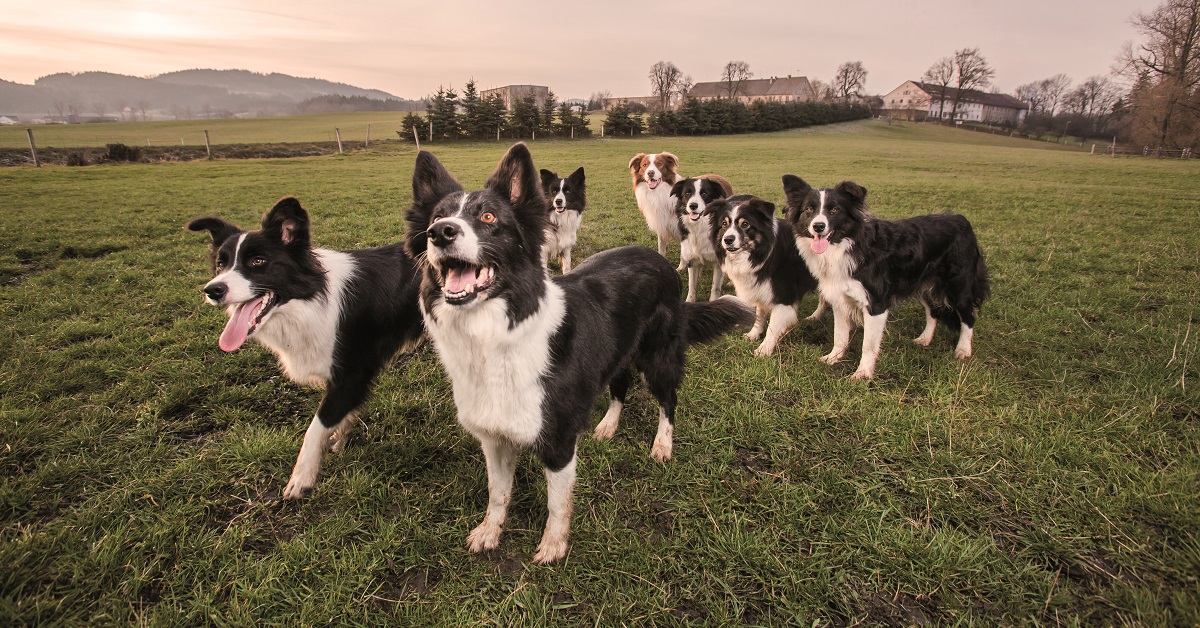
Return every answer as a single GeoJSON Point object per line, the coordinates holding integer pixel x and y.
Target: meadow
{"type": "Point", "coordinates": [1051, 479]}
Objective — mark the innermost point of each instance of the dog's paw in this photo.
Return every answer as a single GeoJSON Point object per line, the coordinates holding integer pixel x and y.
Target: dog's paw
{"type": "Point", "coordinates": [923, 340]}
{"type": "Point", "coordinates": [862, 374]}
{"type": "Point", "coordinates": [661, 451]}
{"type": "Point", "coordinates": [753, 334]}
{"type": "Point", "coordinates": [831, 358]}
{"type": "Point", "coordinates": [605, 430]}
{"type": "Point", "coordinates": [297, 488]}
{"type": "Point", "coordinates": [550, 550]}
{"type": "Point", "coordinates": [962, 353]}
{"type": "Point", "coordinates": [763, 351]}
{"type": "Point", "coordinates": [483, 538]}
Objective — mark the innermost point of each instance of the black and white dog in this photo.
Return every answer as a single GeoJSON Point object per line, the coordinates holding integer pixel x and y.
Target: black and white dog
{"type": "Point", "coordinates": [696, 249]}
{"type": "Point", "coordinates": [865, 265]}
{"type": "Point", "coordinates": [566, 199]}
{"type": "Point", "coordinates": [528, 355]}
{"type": "Point", "coordinates": [333, 318]}
{"type": "Point", "coordinates": [758, 253]}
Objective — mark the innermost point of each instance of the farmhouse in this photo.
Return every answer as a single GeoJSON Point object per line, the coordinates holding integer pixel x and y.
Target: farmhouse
{"type": "Point", "coordinates": [774, 89]}
{"type": "Point", "coordinates": [513, 93]}
{"type": "Point", "coordinates": [914, 100]}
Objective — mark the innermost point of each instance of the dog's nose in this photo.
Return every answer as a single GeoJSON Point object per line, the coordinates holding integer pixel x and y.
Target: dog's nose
{"type": "Point", "coordinates": [216, 291]}
{"type": "Point", "coordinates": [818, 228]}
{"type": "Point", "coordinates": [443, 233]}
{"type": "Point", "coordinates": [693, 206]}
{"type": "Point", "coordinates": [558, 202]}
{"type": "Point", "coordinates": [728, 240]}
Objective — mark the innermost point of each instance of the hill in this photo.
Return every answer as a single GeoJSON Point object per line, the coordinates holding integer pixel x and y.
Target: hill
{"type": "Point", "coordinates": [180, 95]}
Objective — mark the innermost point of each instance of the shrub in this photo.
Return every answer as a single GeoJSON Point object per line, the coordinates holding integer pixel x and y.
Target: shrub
{"type": "Point", "coordinates": [121, 152]}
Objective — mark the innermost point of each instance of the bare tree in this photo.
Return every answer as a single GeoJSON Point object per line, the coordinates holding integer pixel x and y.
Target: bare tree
{"type": "Point", "coordinates": [685, 86]}
{"type": "Point", "coordinates": [664, 81]}
{"type": "Point", "coordinates": [850, 79]}
{"type": "Point", "coordinates": [99, 108]}
{"type": "Point", "coordinates": [1165, 70]}
{"type": "Point", "coordinates": [820, 89]}
{"type": "Point", "coordinates": [597, 99]}
{"type": "Point", "coordinates": [971, 72]}
{"type": "Point", "coordinates": [1043, 96]}
{"type": "Point", "coordinates": [939, 76]}
{"type": "Point", "coordinates": [142, 106]}
{"type": "Point", "coordinates": [732, 77]}
{"type": "Point", "coordinates": [60, 108]}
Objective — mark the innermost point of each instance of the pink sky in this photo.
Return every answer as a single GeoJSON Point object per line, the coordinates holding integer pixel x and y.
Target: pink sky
{"type": "Point", "coordinates": [409, 49]}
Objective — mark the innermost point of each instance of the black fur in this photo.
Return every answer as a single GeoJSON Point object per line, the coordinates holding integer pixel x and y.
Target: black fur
{"type": "Point", "coordinates": [935, 257]}
{"type": "Point", "coordinates": [686, 203]}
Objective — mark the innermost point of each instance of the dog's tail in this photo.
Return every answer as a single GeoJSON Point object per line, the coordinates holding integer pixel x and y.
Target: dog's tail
{"type": "Point", "coordinates": [983, 285]}
{"type": "Point", "coordinates": [709, 319]}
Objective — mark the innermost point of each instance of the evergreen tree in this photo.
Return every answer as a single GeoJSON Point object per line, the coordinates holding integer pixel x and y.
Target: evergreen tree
{"type": "Point", "coordinates": [443, 113]}
{"type": "Point", "coordinates": [620, 122]}
{"type": "Point", "coordinates": [571, 124]}
{"type": "Point", "coordinates": [413, 119]}
{"type": "Point", "coordinates": [546, 115]}
{"type": "Point", "coordinates": [524, 118]}
{"type": "Point", "coordinates": [494, 115]}
{"type": "Point", "coordinates": [473, 118]}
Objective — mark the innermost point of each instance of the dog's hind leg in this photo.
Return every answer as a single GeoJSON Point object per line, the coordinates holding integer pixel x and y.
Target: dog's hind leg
{"type": "Point", "coordinates": [501, 458]}
{"type": "Point", "coordinates": [822, 307]}
{"type": "Point", "coordinates": [607, 427]}
{"type": "Point", "coordinates": [341, 433]}
{"type": "Point", "coordinates": [926, 336]}
{"type": "Point", "coordinates": [662, 245]}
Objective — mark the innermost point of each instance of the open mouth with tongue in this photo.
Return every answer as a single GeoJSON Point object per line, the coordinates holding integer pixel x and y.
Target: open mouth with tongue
{"type": "Point", "coordinates": [819, 243]}
{"type": "Point", "coordinates": [652, 182]}
{"type": "Point", "coordinates": [462, 282]}
{"type": "Point", "coordinates": [560, 208]}
{"type": "Point", "coordinates": [244, 319]}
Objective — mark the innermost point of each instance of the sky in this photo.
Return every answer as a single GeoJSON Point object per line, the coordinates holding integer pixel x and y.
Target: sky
{"type": "Point", "coordinates": [409, 49]}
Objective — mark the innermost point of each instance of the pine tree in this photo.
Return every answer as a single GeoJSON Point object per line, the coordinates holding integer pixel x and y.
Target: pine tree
{"type": "Point", "coordinates": [524, 118]}
{"type": "Point", "coordinates": [443, 113]}
{"type": "Point", "coordinates": [413, 119]}
{"type": "Point", "coordinates": [546, 115]}
{"type": "Point", "coordinates": [473, 117]}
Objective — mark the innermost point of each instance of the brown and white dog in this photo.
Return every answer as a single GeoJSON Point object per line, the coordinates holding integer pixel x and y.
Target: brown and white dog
{"type": "Point", "coordinates": [653, 177]}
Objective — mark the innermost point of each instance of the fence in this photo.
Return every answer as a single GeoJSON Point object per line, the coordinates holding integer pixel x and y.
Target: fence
{"type": "Point", "coordinates": [1112, 150]}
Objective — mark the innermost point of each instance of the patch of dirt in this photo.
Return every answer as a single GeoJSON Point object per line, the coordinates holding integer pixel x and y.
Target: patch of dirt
{"type": "Point", "coordinates": [414, 582]}
{"type": "Point", "coordinates": [898, 611]}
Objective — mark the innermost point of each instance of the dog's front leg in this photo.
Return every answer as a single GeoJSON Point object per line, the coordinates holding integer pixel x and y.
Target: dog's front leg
{"type": "Point", "coordinates": [842, 325]}
{"type": "Point", "coordinates": [501, 458]}
{"type": "Point", "coordinates": [718, 280]}
{"type": "Point", "coordinates": [873, 326]}
{"type": "Point", "coordinates": [566, 261]}
{"type": "Point", "coordinates": [783, 317]}
{"type": "Point", "coordinates": [760, 323]}
{"type": "Point", "coordinates": [330, 426]}
{"type": "Point", "coordinates": [560, 488]}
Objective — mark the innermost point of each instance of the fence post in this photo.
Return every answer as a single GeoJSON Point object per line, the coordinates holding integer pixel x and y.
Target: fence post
{"type": "Point", "coordinates": [339, 138]}
{"type": "Point", "coordinates": [602, 130]}
{"type": "Point", "coordinates": [497, 134]}
{"type": "Point", "coordinates": [416, 138]}
{"type": "Point", "coordinates": [431, 129]}
{"type": "Point", "coordinates": [33, 149]}
{"type": "Point", "coordinates": [1093, 149]}
{"type": "Point", "coordinates": [207, 145]}
{"type": "Point", "coordinates": [368, 142]}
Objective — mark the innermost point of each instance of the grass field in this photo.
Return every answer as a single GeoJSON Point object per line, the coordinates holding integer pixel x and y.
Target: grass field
{"type": "Point", "coordinates": [1051, 479]}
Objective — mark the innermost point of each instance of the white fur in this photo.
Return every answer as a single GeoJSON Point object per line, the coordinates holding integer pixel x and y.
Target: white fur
{"type": "Point", "coordinates": [658, 207]}
{"type": "Point", "coordinates": [695, 252]}
{"type": "Point", "coordinates": [963, 350]}
{"type": "Point", "coordinates": [560, 486]}
{"type": "Point", "coordinates": [663, 440]}
{"type": "Point", "coordinates": [561, 236]}
{"type": "Point", "coordinates": [607, 427]}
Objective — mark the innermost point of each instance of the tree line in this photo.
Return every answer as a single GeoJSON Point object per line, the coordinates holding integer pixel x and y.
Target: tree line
{"type": "Point", "coordinates": [721, 116]}
{"type": "Point", "coordinates": [450, 116]}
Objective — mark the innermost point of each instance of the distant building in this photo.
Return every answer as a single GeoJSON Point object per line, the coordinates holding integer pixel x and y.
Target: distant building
{"type": "Point", "coordinates": [513, 93]}
{"type": "Point", "coordinates": [774, 89]}
{"type": "Point", "coordinates": [8, 120]}
{"type": "Point", "coordinates": [914, 100]}
{"type": "Point", "coordinates": [649, 102]}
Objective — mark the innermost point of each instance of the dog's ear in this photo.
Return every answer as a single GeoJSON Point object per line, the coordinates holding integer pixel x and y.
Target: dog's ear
{"type": "Point", "coordinates": [217, 228]}
{"type": "Point", "coordinates": [636, 161]}
{"type": "Point", "coordinates": [577, 178]}
{"type": "Point", "coordinates": [853, 190]}
{"type": "Point", "coordinates": [716, 207]}
{"type": "Point", "coordinates": [515, 180]}
{"type": "Point", "coordinates": [671, 164]}
{"type": "Point", "coordinates": [288, 222]}
{"type": "Point", "coordinates": [765, 207]}
{"type": "Point", "coordinates": [431, 183]}
{"type": "Point", "coordinates": [678, 188]}
{"type": "Point", "coordinates": [795, 189]}
{"type": "Point", "coordinates": [548, 178]}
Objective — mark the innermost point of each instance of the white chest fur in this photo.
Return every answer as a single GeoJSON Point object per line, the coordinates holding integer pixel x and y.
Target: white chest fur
{"type": "Point", "coordinates": [496, 371]}
{"type": "Point", "coordinates": [745, 283]}
{"type": "Point", "coordinates": [658, 208]}
{"type": "Point", "coordinates": [834, 271]}
{"type": "Point", "coordinates": [303, 332]}
{"type": "Point", "coordinates": [698, 246]}
{"type": "Point", "coordinates": [562, 232]}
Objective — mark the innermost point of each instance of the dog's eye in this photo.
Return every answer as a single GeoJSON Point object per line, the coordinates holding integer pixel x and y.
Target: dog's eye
{"type": "Point", "coordinates": [834, 210]}
{"type": "Point", "coordinates": [725, 222]}
{"type": "Point", "coordinates": [488, 217]}
{"type": "Point", "coordinates": [743, 223]}
{"type": "Point", "coordinates": [808, 210]}
{"type": "Point", "coordinates": [222, 261]}
{"type": "Point", "coordinates": [258, 262]}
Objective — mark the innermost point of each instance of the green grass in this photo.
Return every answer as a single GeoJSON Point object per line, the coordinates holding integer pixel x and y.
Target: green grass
{"type": "Point", "coordinates": [1050, 479]}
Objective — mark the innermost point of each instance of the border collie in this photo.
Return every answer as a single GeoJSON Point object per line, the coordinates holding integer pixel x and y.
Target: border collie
{"type": "Point", "coordinates": [526, 354]}
{"type": "Point", "coordinates": [866, 265]}
{"type": "Point", "coordinates": [566, 199]}
{"type": "Point", "coordinates": [696, 249]}
{"type": "Point", "coordinates": [333, 318]}
{"type": "Point", "coordinates": [654, 200]}
{"type": "Point", "coordinates": [758, 253]}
